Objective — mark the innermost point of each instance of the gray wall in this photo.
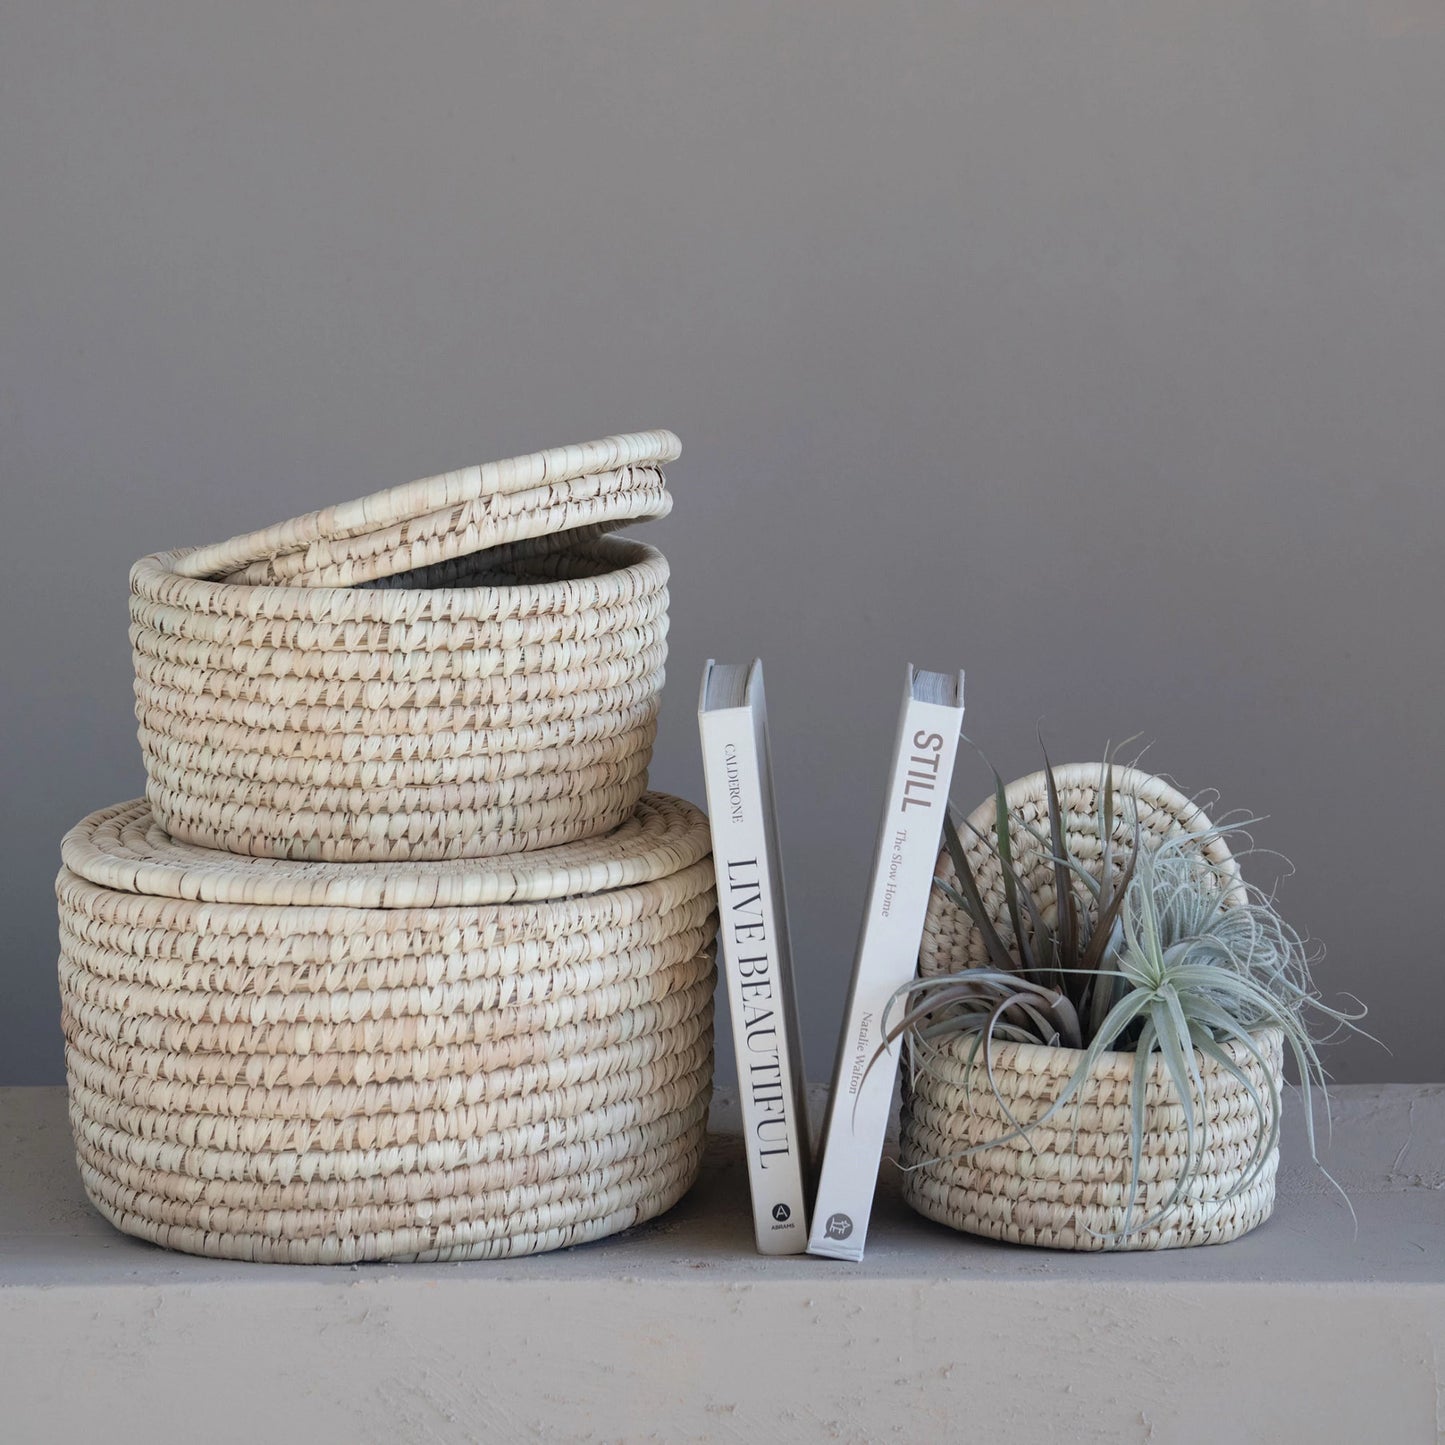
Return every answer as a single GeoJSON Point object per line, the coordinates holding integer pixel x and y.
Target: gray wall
{"type": "Point", "coordinates": [1098, 348]}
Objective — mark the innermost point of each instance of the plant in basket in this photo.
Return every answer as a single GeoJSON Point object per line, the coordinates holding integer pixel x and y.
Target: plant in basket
{"type": "Point", "coordinates": [1096, 1040]}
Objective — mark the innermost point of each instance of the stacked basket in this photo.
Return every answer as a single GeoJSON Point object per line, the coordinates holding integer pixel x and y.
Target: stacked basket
{"type": "Point", "coordinates": [461, 667]}
{"type": "Point", "coordinates": [298, 1025]}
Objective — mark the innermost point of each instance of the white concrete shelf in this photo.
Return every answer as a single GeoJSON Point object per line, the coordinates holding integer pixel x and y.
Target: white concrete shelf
{"type": "Point", "coordinates": [677, 1331]}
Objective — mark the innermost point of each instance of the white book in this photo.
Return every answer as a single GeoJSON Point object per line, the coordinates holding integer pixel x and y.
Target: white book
{"type": "Point", "coordinates": [757, 963]}
{"type": "Point", "coordinates": [908, 842]}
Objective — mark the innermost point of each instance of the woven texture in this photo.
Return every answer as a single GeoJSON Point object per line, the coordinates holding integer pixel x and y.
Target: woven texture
{"type": "Point", "coordinates": [398, 959]}
{"type": "Point", "coordinates": [1066, 1186]}
{"type": "Point", "coordinates": [318, 1063]}
{"type": "Point", "coordinates": [480, 706]}
{"type": "Point", "coordinates": [593, 487]}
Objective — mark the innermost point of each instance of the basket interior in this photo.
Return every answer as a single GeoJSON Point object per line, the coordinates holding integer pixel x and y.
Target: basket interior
{"type": "Point", "coordinates": [519, 564]}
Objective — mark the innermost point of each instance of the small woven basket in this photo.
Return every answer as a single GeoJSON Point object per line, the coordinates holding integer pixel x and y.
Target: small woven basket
{"type": "Point", "coordinates": [1066, 1185]}
{"type": "Point", "coordinates": [323, 1063]}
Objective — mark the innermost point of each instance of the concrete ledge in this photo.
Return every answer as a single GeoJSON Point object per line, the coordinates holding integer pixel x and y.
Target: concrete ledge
{"type": "Point", "coordinates": [678, 1331]}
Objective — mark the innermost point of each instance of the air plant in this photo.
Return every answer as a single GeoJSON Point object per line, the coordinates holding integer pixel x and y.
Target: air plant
{"type": "Point", "coordinates": [1158, 949]}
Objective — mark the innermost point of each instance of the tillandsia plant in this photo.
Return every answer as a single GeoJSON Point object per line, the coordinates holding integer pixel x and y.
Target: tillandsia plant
{"type": "Point", "coordinates": [1154, 947]}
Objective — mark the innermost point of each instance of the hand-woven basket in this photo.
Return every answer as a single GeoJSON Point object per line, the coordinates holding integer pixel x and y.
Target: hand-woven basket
{"type": "Point", "coordinates": [1066, 1184]}
{"type": "Point", "coordinates": [482, 706]}
{"type": "Point", "coordinates": [322, 1063]}
{"type": "Point", "coordinates": [464, 666]}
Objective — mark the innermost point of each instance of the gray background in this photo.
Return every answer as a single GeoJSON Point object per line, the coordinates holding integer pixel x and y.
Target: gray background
{"type": "Point", "coordinates": [1098, 348]}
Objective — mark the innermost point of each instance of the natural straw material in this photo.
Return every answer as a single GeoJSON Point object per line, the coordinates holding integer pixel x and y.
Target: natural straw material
{"type": "Point", "coordinates": [1066, 1184]}
{"type": "Point", "coordinates": [597, 485]}
{"type": "Point", "coordinates": [496, 704]}
{"type": "Point", "coordinates": [321, 1062]}
{"type": "Point", "coordinates": [1068, 1189]}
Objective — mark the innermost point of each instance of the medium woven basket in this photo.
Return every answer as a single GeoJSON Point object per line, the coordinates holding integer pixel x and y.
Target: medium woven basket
{"type": "Point", "coordinates": [493, 704]}
{"type": "Point", "coordinates": [323, 1063]}
{"type": "Point", "coordinates": [1066, 1185]}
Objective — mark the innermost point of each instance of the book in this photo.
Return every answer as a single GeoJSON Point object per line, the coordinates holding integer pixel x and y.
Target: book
{"type": "Point", "coordinates": [757, 961]}
{"type": "Point", "coordinates": [892, 929]}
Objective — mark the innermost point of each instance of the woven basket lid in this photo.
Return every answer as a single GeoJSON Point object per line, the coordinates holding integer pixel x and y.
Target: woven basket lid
{"type": "Point", "coordinates": [587, 489]}
{"type": "Point", "coordinates": [123, 848]}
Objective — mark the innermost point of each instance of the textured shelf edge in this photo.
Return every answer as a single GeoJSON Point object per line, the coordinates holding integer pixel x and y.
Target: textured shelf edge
{"type": "Point", "coordinates": [678, 1331]}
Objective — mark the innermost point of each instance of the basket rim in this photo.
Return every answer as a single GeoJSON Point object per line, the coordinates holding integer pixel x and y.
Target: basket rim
{"type": "Point", "coordinates": [123, 848]}
{"type": "Point", "coordinates": [1060, 1061]}
{"type": "Point", "coordinates": [156, 577]}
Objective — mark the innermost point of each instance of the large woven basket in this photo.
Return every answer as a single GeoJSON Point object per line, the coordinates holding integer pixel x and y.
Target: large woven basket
{"type": "Point", "coordinates": [321, 1063]}
{"type": "Point", "coordinates": [1066, 1185]}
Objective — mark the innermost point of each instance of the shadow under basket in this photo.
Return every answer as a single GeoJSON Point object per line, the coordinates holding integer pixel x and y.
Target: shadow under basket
{"type": "Point", "coordinates": [1067, 1185]}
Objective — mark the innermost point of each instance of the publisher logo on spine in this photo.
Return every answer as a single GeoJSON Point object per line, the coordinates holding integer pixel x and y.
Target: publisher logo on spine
{"type": "Point", "coordinates": [782, 1213]}
{"type": "Point", "coordinates": [839, 1226]}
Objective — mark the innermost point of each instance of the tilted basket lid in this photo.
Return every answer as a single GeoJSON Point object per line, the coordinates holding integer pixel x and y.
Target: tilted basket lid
{"type": "Point", "coordinates": [570, 491]}
{"type": "Point", "coordinates": [123, 848]}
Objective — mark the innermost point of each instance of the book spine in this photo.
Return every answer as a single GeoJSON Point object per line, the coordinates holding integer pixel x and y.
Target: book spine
{"type": "Point", "coordinates": [903, 867]}
{"type": "Point", "coordinates": [757, 981]}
